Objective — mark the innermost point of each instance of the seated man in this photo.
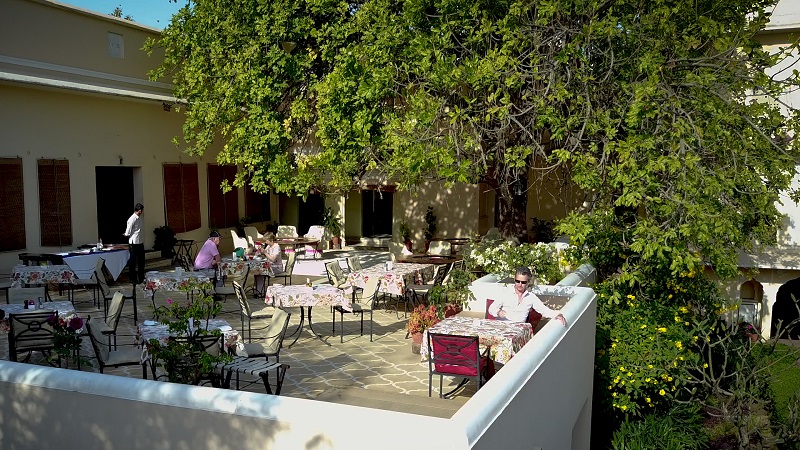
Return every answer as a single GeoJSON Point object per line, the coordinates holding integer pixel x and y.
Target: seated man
{"type": "Point", "coordinates": [208, 256]}
{"type": "Point", "coordinates": [515, 304]}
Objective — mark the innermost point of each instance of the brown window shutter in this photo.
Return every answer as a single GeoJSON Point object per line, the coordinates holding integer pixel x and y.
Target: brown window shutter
{"type": "Point", "coordinates": [191, 196]}
{"type": "Point", "coordinates": [173, 197]}
{"type": "Point", "coordinates": [55, 208]}
{"type": "Point", "coordinates": [223, 208]}
{"type": "Point", "coordinates": [256, 206]}
{"type": "Point", "coordinates": [12, 205]}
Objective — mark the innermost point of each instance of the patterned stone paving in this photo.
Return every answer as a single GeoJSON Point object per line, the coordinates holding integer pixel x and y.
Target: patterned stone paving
{"type": "Point", "coordinates": [384, 367]}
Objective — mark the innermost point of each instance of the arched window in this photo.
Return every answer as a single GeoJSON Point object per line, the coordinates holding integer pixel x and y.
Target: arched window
{"type": "Point", "coordinates": [750, 295]}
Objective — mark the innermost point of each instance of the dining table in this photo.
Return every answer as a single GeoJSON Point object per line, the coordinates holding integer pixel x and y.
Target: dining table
{"type": "Point", "coordinates": [392, 281]}
{"type": "Point", "coordinates": [258, 266]}
{"type": "Point", "coordinates": [174, 281]}
{"type": "Point", "coordinates": [231, 340]}
{"type": "Point", "coordinates": [293, 243]}
{"type": "Point", "coordinates": [83, 262]}
{"type": "Point", "coordinates": [63, 309]}
{"type": "Point", "coordinates": [503, 338]}
{"type": "Point", "coordinates": [304, 297]}
{"type": "Point", "coordinates": [41, 275]}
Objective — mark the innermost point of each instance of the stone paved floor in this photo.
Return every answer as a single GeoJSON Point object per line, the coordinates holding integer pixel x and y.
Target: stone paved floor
{"type": "Point", "coordinates": [383, 373]}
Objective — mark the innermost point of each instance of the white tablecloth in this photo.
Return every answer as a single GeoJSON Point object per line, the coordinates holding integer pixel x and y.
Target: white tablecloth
{"type": "Point", "coordinates": [84, 265]}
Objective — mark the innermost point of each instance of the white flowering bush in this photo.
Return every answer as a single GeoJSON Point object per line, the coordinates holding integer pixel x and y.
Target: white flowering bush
{"type": "Point", "coordinates": [503, 257]}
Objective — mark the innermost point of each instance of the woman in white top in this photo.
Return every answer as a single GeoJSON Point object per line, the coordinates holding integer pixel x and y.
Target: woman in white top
{"type": "Point", "coordinates": [273, 253]}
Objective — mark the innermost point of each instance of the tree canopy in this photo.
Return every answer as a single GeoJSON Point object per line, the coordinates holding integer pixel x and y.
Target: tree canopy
{"type": "Point", "coordinates": [666, 114]}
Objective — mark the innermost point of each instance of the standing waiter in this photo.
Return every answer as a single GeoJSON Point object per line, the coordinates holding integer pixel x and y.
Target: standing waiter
{"type": "Point", "coordinates": [136, 241]}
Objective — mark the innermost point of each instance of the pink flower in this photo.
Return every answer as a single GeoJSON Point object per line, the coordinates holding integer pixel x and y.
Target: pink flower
{"type": "Point", "coordinates": [75, 324]}
{"type": "Point", "coordinates": [169, 301]}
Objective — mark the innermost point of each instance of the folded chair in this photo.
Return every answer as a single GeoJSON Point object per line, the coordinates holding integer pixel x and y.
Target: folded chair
{"type": "Point", "coordinates": [455, 356]}
{"type": "Point", "coordinates": [129, 356]}
{"type": "Point", "coordinates": [363, 301]}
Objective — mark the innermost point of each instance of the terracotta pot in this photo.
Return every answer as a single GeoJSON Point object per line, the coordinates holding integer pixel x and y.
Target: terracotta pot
{"type": "Point", "coordinates": [409, 245]}
{"type": "Point", "coordinates": [416, 343]}
{"type": "Point", "coordinates": [337, 242]}
{"type": "Point", "coordinates": [753, 337]}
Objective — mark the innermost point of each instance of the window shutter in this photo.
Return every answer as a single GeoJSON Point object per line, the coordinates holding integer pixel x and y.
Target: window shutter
{"type": "Point", "coordinates": [12, 205]}
{"type": "Point", "coordinates": [55, 208]}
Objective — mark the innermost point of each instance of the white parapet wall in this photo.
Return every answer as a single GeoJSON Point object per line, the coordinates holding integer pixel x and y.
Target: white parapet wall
{"type": "Point", "coordinates": [541, 398]}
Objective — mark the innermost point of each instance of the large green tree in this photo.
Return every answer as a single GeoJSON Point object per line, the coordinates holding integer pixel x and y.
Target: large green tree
{"type": "Point", "coordinates": [662, 112]}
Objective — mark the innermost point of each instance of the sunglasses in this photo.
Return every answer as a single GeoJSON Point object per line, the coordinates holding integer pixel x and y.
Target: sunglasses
{"type": "Point", "coordinates": [520, 281]}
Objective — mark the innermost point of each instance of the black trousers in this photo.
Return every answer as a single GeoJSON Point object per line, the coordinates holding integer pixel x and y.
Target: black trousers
{"type": "Point", "coordinates": [136, 264]}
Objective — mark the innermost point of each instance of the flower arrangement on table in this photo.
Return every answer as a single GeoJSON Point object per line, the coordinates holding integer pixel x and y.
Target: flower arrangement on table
{"type": "Point", "coordinates": [66, 335]}
{"type": "Point", "coordinates": [182, 359]}
{"type": "Point", "coordinates": [503, 257]}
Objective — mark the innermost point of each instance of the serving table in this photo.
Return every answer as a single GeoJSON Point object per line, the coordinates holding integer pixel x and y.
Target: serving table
{"type": "Point", "coordinates": [307, 297]}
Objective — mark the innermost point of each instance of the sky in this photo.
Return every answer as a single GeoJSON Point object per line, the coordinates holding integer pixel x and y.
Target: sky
{"type": "Point", "coordinates": [154, 13]}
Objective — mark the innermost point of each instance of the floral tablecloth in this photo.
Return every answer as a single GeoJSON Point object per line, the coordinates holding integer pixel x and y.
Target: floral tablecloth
{"type": "Point", "coordinates": [173, 281]}
{"type": "Point", "coordinates": [230, 337]}
{"type": "Point", "coordinates": [320, 294]}
{"type": "Point", "coordinates": [64, 309]}
{"type": "Point", "coordinates": [503, 338]}
{"type": "Point", "coordinates": [236, 268]}
{"type": "Point", "coordinates": [393, 281]}
{"type": "Point", "coordinates": [60, 273]}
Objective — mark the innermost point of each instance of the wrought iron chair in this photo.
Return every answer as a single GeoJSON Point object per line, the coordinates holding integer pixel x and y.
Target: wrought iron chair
{"type": "Point", "coordinates": [29, 332]}
{"type": "Point", "coordinates": [271, 344]}
{"type": "Point", "coordinates": [363, 301]}
{"type": "Point", "coordinates": [335, 273]}
{"type": "Point", "coordinates": [129, 356]}
{"type": "Point", "coordinates": [455, 356]}
{"type": "Point", "coordinates": [246, 312]}
{"type": "Point", "coordinates": [354, 263]}
{"type": "Point", "coordinates": [287, 270]}
{"type": "Point", "coordinates": [108, 327]}
{"type": "Point", "coordinates": [18, 295]}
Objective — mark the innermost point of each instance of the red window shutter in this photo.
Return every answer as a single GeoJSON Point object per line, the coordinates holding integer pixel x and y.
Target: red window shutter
{"type": "Point", "coordinates": [191, 196]}
{"type": "Point", "coordinates": [12, 205]}
{"type": "Point", "coordinates": [173, 197]}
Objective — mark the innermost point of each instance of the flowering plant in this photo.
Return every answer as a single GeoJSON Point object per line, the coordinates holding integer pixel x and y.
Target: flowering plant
{"type": "Point", "coordinates": [503, 257]}
{"type": "Point", "coordinates": [66, 334]}
{"type": "Point", "coordinates": [422, 318]}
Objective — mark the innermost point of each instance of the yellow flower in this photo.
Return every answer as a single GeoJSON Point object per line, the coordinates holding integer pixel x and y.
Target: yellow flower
{"type": "Point", "coordinates": [647, 399]}
{"type": "Point", "coordinates": [624, 407]}
{"type": "Point", "coordinates": [669, 378]}
{"type": "Point", "coordinates": [705, 366]}
{"type": "Point", "coordinates": [630, 374]}
{"type": "Point", "coordinates": [686, 323]}
{"type": "Point", "coordinates": [683, 309]}
{"type": "Point", "coordinates": [662, 330]}
{"type": "Point", "coordinates": [669, 296]}
{"type": "Point", "coordinates": [661, 392]}
{"type": "Point", "coordinates": [614, 394]}
{"type": "Point", "coordinates": [649, 366]}
{"type": "Point", "coordinates": [613, 345]}
{"type": "Point", "coordinates": [621, 369]}
{"type": "Point", "coordinates": [643, 327]}
{"type": "Point", "coordinates": [678, 344]}
{"type": "Point", "coordinates": [694, 338]}
{"type": "Point", "coordinates": [647, 380]}
{"type": "Point", "coordinates": [677, 319]}
{"type": "Point", "coordinates": [622, 383]}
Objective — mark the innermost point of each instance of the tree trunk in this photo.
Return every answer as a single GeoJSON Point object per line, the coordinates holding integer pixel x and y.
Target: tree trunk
{"type": "Point", "coordinates": [513, 204]}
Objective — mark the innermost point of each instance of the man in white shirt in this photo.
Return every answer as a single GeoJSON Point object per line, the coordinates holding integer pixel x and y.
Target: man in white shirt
{"type": "Point", "coordinates": [515, 305]}
{"type": "Point", "coordinates": [133, 231]}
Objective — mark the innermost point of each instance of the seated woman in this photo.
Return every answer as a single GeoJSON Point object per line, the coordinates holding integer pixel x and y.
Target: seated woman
{"type": "Point", "coordinates": [273, 253]}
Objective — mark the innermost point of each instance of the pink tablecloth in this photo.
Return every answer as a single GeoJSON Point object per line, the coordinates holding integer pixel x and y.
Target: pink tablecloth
{"type": "Point", "coordinates": [320, 294]}
{"type": "Point", "coordinates": [503, 338]}
{"type": "Point", "coordinates": [393, 281]}
{"type": "Point", "coordinates": [60, 273]}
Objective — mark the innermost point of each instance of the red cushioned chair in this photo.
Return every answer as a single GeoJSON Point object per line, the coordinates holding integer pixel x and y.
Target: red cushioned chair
{"type": "Point", "coordinates": [455, 356]}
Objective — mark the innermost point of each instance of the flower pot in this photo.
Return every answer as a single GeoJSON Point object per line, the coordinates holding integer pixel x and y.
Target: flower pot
{"type": "Point", "coordinates": [753, 337]}
{"type": "Point", "coordinates": [409, 245]}
{"type": "Point", "coordinates": [416, 343]}
{"type": "Point", "coordinates": [337, 242]}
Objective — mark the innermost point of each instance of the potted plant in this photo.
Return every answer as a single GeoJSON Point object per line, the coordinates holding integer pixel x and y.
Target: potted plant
{"type": "Point", "coordinates": [453, 297]}
{"type": "Point", "coordinates": [421, 318]}
{"type": "Point", "coordinates": [182, 358]}
{"type": "Point", "coordinates": [66, 337]}
{"type": "Point", "coordinates": [165, 241]}
{"type": "Point", "coordinates": [430, 228]}
{"type": "Point", "coordinates": [333, 225]}
{"type": "Point", "coordinates": [405, 233]}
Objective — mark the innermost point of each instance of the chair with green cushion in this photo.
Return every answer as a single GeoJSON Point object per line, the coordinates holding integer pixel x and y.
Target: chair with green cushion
{"type": "Point", "coordinates": [246, 312]}
{"type": "Point", "coordinates": [335, 273]}
{"type": "Point", "coordinates": [273, 341]}
{"type": "Point", "coordinates": [129, 356]}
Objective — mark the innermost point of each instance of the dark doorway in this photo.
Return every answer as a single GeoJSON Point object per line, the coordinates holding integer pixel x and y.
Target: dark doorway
{"type": "Point", "coordinates": [376, 213]}
{"type": "Point", "coordinates": [114, 202]}
{"type": "Point", "coordinates": [310, 213]}
{"type": "Point", "coordinates": [786, 310]}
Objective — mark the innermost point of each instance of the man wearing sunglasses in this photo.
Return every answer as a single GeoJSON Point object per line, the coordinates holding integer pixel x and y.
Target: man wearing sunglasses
{"type": "Point", "coordinates": [516, 305]}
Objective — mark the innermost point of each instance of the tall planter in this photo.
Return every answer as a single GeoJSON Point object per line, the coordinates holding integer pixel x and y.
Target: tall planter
{"type": "Point", "coordinates": [416, 343]}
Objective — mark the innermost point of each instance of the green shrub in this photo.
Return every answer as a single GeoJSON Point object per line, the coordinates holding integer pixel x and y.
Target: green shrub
{"type": "Point", "coordinates": [679, 429]}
